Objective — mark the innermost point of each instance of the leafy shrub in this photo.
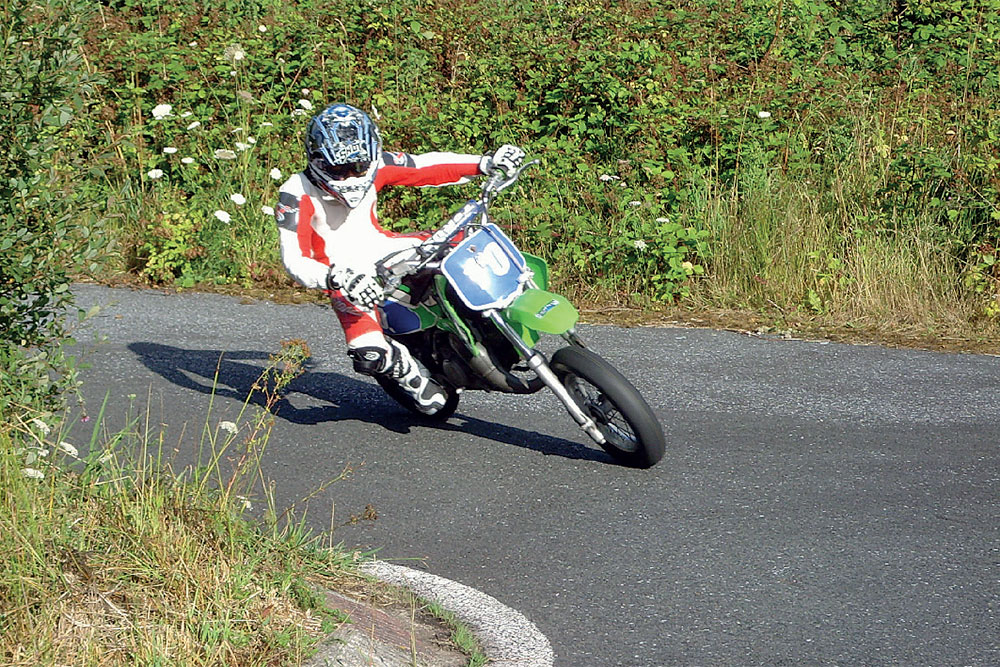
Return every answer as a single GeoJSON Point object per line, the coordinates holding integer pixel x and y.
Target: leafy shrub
{"type": "Point", "coordinates": [983, 277]}
{"type": "Point", "coordinates": [681, 107]}
{"type": "Point", "coordinates": [44, 231]}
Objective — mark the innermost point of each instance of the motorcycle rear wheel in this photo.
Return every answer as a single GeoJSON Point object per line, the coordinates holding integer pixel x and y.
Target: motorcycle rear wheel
{"type": "Point", "coordinates": [633, 435]}
{"type": "Point", "coordinates": [392, 388]}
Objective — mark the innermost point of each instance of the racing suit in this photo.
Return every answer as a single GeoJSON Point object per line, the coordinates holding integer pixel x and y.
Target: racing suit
{"type": "Point", "coordinates": [318, 230]}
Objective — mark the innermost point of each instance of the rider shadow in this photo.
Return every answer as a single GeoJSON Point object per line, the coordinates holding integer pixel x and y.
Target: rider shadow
{"type": "Point", "coordinates": [235, 375]}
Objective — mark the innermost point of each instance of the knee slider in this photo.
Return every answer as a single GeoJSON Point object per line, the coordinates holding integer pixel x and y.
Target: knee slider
{"type": "Point", "coordinates": [370, 360]}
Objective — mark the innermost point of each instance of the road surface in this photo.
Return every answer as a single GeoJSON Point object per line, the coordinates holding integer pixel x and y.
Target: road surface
{"type": "Point", "coordinates": [818, 503]}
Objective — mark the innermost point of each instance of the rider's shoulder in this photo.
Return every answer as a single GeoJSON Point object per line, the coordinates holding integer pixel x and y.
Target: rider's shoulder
{"type": "Point", "coordinates": [297, 185]}
{"type": "Point", "coordinates": [397, 159]}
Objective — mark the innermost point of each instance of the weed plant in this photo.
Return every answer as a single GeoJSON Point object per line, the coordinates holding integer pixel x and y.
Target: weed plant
{"type": "Point", "coordinates": [115, 558]}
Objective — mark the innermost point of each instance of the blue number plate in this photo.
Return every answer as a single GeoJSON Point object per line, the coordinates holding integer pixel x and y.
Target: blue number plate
{"type": "Point", "coordinates": [486, 269]}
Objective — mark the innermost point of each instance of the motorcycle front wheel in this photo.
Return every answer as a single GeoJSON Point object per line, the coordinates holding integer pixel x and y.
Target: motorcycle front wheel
{"type": "Point", "coordinates": [633, 435]}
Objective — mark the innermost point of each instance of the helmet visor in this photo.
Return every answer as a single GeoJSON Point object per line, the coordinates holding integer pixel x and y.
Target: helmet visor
{"type": "Point", "coordinates": [340, 172]}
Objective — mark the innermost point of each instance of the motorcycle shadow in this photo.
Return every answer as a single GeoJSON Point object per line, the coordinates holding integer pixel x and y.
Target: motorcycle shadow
{"type": "Point", "coordinates": [318, 397]}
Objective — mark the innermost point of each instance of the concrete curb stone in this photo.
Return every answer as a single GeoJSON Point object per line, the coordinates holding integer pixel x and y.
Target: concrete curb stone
{"type": "Point", "coordinates": [376, 638]}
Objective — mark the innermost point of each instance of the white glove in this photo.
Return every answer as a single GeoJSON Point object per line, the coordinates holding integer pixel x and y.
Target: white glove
{"type": "Point", "coordinates": [507, 158]}
{"type": "Point", "coordinates": [360, 289]}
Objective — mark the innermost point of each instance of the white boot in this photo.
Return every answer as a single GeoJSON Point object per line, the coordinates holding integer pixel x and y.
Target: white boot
{"type": "Point", "coordinates": [399, 364]}
{"type": "Point", "coordinates": [415, 380]}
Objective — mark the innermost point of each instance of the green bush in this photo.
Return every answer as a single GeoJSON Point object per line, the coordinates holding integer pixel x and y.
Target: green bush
{"type": "Point", "coordinates": [45, 233]}
{"type": "Point", "coordinates": [680, 107]}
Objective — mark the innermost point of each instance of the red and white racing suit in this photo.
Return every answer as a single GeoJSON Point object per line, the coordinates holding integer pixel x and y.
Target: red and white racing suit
{"type": "Point", "coordinates": [318, 230]}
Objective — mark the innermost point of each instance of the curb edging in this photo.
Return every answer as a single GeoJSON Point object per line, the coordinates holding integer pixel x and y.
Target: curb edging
{"type": "Point", "coordinates": [507, 637]}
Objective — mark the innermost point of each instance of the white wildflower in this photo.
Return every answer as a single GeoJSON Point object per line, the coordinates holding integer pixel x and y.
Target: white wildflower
{"type": "Point", "coordinates": [305, 91]}
{"type": "Point", "coordinates": [223, 216]}
{"type": "Point", "coordinates": [187, 114]}
{"type": "Point", "coordinates": [306, 104]}
{"type": "Point", "coordinates": [192, 44]}
{"type": "Point", "coordinates": [237, 199]}
{"type": "Point", "coordinates": [635, 203]}
{"type": "Point", "coordinates": [275, 174]}
{"type": "Point", "coordinates": [155, 173]}
{"type": "Point", "coordinates": [161, 111]}
{"type": "Point", "coordinates": [298, 112]}
{"type": "Point", "coordinates": [234, 53]}
{"type": "Point", "coordinates": [236, 130]}
{"type": "Point", "coordinates": [187, 160]}
{"type": "Point", "coordinates": [763, 114]}
{"type": "Point", "coordinates": [232, 72]}
{"type": "Point", "coordinates": [262, 28]}
{"type": "Point", "coordinates": [242, 146]}
{"type": "Point", "coordinates": [41, 426]}
{"type": "Point", "coordinates": [251, 140]}
{"type": "Point", "coordinates": [32, 473]}
{"type": "Point", "coordinates": [169, 150]}
{"type": "Point", "coordinates": [639, 244]}
{"type": "Point", "coordinates": [228, 426]}
{"type": "Point", "coordinates": [267, 124]}
{"type": "Point", "coordinates": [663, 219]}
{"type": "Point", "coordinates": [67, 448]}
{"type": "Point", "coordinates": [225, 154]}
{"type": "Point", "coordinates": [608, 177]}
{"type": "Point", "coordinates": [267, 210]}
{"type": "Point", "coordinates": [247, 505]}
{"type": "Point", "coordinates": [194, 124]}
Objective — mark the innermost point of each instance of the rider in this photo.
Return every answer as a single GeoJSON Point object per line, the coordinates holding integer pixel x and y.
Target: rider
{"type": "Point", "coordinates": [331, 237]}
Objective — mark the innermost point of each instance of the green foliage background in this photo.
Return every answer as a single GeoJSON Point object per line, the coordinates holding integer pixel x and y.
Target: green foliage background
{"type": "Point", "coordinates": [45, 231]}
{"type": "Point", "coordinates": [690, 148]}
{"type": "Point", "coordinates": [641, 111]}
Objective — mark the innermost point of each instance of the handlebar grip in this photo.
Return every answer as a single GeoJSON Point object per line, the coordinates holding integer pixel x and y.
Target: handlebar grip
{"type": "Point", "coordinates": [494, 180]}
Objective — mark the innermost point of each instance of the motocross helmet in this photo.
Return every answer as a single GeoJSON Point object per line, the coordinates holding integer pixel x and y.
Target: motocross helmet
{"type": "Point", "coordinates": [342, 148]}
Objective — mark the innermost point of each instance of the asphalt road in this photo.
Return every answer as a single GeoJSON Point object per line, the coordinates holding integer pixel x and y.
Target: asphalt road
{"type": "Point", "coordinates": [818, 503]}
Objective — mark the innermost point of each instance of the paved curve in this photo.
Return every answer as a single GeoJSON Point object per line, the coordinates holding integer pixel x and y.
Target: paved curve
{"type": "Point", "coordinates": [819, 503]}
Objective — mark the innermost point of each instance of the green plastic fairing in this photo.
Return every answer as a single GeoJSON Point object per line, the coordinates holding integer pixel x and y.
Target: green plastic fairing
{"type": "Point", "coordinates": [543, 311]}
{"type": "Point", "coordinates": [539, 268]}
{"type": "Point", "coordinates": [453, 321]}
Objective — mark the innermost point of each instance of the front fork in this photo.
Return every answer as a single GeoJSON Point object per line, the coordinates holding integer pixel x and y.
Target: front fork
{"type": "Point", "coordinates": [537, 363]}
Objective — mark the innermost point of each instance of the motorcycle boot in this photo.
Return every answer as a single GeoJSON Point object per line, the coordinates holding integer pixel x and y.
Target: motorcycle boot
{"type": "Point", "coordinates": [398, 364]}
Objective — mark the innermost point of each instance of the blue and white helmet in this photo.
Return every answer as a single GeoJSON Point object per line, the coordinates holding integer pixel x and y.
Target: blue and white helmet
{"type": "Point", "coordinates": [342, 147]}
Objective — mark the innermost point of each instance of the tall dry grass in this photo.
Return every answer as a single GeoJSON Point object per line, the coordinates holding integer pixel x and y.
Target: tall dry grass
{"type": "Point", "coordinates": [823, 246]}
{"type": "Point", "coordinates": [113, 557]}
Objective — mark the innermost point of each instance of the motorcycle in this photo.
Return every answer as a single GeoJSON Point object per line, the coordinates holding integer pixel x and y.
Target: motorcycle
{"type": "Point", "coordinates": [472, 308]}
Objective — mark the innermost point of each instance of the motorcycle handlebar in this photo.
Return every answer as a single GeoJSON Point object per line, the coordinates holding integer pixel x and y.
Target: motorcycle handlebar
{"type": "Point", "coordinates": [500, 181]}
{"type": "Point", "coordinates": [497, 182]}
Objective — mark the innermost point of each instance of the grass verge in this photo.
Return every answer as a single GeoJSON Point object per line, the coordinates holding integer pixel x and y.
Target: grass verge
{"type": "Point", "coordinates": [114, 557]}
